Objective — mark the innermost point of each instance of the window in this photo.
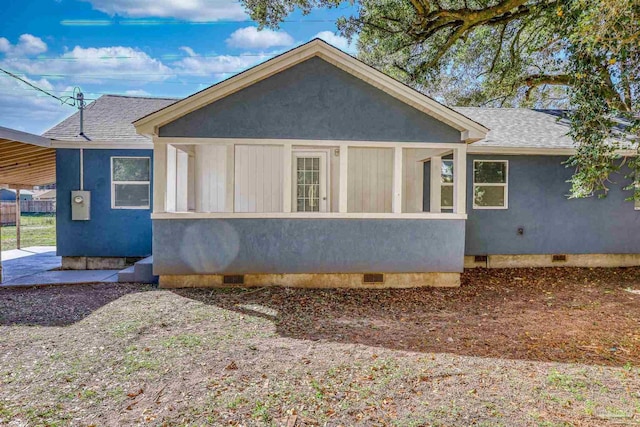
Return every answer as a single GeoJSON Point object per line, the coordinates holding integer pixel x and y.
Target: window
{"type": "Point", "coordinates": [490, 184]}
{"type": "Point", "coordinates": [130, 182]}
{"type": "Point", "coordinates": [446, 192]}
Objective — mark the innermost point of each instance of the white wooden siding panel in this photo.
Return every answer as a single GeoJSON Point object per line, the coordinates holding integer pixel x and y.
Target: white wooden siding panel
{"type": "Point", "coordinates": [211, 177]}
{"type": "Point", "coordinates": [370, 180]}
{"type": "Point", "coordinates": [258, 178]}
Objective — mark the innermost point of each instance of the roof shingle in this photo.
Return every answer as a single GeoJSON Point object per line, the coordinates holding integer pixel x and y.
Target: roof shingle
{"type": "Point", "coordinates": [109, 119]}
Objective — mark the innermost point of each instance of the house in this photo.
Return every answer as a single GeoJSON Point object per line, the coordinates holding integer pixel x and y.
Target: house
{"type": "Point", "coordinates": [8, 195]}
{"type": "Point", "coordinates": [45, 195]}
{"type": "Point", "coordinates": [314, 169]}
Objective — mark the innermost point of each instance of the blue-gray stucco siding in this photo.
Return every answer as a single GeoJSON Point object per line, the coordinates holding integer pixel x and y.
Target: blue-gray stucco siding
{"type": "Point", "coordinates": [312, 100]}
{"type": "Point", "coordinates": [552, 223]}
{"type": "Point", "coordinates": [241, 246]}
{"type": "Point", "coordinates": [109, 232]}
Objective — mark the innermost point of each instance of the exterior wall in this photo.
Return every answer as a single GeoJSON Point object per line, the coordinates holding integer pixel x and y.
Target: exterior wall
{"type": "Point", "coordinates": [311, 100]}
{"type": "Point", "coordinates": [109, 232]}
{"type": "Point", "coordinates": [295, 246]}
{"type": "Point", "coordinates": [552, 223]}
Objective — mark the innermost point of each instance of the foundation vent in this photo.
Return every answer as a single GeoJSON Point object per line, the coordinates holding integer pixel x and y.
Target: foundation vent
{"type": "Point", "coordinates": [236, 279]}
{"type": "Point", "coordinates": [480, 258]}
{"type": "Point", "coordinates": [373, 278]}
{"type": "Point", "coordinates": [558, 258]}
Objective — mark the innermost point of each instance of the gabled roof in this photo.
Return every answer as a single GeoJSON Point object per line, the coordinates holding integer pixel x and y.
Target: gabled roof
{"type": "Point", "coordinates": [108, 120]}
{"type": "Point", "coordinates": [521, 127]}
{"type": "Point", "coordinates": [471, 130]}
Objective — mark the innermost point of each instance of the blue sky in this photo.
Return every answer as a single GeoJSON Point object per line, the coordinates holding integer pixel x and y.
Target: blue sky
{"type": "Point", "coordinates": [136, 47]}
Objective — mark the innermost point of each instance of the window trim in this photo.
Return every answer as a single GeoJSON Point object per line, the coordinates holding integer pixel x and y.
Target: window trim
{"type": "Point", "coordinates": [114, 183]}
{"type": "Point", "coordinates": [505, 185]}
{"type": "Point", "coordinates": [636, 202]}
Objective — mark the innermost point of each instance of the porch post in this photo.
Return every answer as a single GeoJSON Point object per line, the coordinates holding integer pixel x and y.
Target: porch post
{"type": "Point", "coordinates": [435, 185]}
{"type": "Point", "coordinates": [460, 179]}
{"type": "Point", "coordinates": [18, 212]}
{"type": "Point", "coordinates": [159, 175]}
{"type": "Point", "coordinates": [286, 178]}
{"type": "Point", "coordinates": [344, 170]}
{"type": "Point", "coordinates": [396, 201]}
{"type": "Point", "coordinates": [171, 178]}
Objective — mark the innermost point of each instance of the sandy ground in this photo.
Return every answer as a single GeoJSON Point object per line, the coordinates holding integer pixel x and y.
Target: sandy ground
{"type": "Point", "coordinates": [547, 347]}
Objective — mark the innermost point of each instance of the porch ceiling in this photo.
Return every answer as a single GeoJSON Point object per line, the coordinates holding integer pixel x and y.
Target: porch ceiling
{"type": "Point", "coordinates": [25, 159]}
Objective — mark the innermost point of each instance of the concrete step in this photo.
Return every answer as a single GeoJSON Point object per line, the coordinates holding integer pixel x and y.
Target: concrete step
{"type": "Point", "coordinates": [127, 275]}
{"type": "Point", "coordinates": [144, 271]}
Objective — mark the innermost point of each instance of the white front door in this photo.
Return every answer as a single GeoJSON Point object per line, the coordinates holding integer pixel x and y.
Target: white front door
{"type": "Point", "coordinates": [310, 181]}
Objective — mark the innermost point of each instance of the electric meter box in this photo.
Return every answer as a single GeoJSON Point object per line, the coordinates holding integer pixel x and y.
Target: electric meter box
{"type": "Point", "coordinates": [80, 205]}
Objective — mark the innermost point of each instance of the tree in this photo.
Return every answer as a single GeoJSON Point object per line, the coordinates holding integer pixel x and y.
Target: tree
{"type": "Point", "coordinates": [583, 55]}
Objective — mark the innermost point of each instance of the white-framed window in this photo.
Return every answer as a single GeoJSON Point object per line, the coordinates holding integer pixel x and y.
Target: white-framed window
{"type": "Point", "coordinates": [446, 180]}
{"type": "Point", "coordinates": [490, 184]}
{"type": "Point", "coordinates": [130, 182]}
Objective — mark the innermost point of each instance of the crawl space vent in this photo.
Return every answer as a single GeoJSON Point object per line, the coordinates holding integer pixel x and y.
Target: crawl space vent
{"type": "Point", "coordinates": [373, 278]}
{"type": "Point", "coordinates": [237, 279]}
{"type": "Point", "coordinates": [558, 258]}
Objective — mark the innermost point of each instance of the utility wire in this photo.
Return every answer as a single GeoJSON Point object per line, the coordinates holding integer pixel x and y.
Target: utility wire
{"type": "Point", "coordinates": [62, 100]}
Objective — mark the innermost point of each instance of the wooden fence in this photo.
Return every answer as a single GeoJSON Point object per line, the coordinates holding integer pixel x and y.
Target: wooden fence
{"type": "Point", "coordinates": [8, 209]}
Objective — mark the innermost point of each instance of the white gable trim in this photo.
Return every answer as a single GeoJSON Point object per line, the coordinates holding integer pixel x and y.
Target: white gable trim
{"type": "Point", "coordinates": [470, 130]}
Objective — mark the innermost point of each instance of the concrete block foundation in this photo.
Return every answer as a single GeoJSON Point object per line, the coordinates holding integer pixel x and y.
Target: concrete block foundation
{"type": "Point", "coordinates": [93, 263]}
{"type": "Point", "coordinates": [334, 280]}
{"type": "Point", "coordinates": [553, 260]}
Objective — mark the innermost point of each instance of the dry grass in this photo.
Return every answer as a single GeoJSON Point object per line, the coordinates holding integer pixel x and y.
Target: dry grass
{"type": "Point", "coordinates": [479, 355]}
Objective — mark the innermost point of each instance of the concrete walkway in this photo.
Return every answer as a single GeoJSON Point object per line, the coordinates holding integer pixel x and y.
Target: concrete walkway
{"type": "Point", "coordinates": [33, 266]}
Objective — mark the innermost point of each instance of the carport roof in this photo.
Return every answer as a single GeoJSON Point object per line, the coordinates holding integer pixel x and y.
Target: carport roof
{"type": "Point", "coordinates": [25, 159]}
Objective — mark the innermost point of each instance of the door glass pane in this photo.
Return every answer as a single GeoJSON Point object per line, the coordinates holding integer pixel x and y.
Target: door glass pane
{"type": "Point", "coordinates": [308, 184]}
{"type": "Point", "coordinates": [492, 196]}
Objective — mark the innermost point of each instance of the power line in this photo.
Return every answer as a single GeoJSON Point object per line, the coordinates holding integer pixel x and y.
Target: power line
{"type": "Point", "coordinates": [62, 100]}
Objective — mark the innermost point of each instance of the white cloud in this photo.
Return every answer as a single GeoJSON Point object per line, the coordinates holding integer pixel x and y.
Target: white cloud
{"type": "Point", "coordinates": [252, 38]}
{"type": "Point", "coordinates": [338, 41]}
{"type": "Point", "coordinates": [19, 105]}
{"type": "Point", "coordinates": [27, 45]}
{"type": "Point", "coordinates": [137, 92]}
{"type": "Point", "coordinates": [189, 10]}
{"type": "Point", "coordinates": [218, 66]}
{"type": "Point", "coordinates": [97, 64]}
{"type": "Point", "coordinates": [188, 50]}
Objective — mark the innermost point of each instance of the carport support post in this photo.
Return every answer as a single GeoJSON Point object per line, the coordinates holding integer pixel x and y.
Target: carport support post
{"type": "Point", "coordinates": [18, 218]}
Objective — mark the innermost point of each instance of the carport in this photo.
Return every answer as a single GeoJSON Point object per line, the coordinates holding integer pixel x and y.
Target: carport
{"type": "Point", "coordinates": [26, 160]}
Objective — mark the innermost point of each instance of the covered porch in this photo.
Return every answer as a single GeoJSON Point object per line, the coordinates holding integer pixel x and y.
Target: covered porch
{"type": "Point", "coordinates": [242, 178]}
{"type": "Point", "coordinates": [308, 213]}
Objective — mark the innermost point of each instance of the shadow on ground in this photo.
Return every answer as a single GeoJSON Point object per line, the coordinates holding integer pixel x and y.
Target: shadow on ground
{"type": "Point", "coordinates": [561, 315]}
{"type": "Point", "coordinates": [58, 305]}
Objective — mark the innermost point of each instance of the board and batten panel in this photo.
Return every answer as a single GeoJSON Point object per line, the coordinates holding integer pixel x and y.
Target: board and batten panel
{"type": "Point", "coordinates": [211, 177]}
{"type": "Point", "coordinates": [370, 179]}
{"type": "Point", "coordinates": [413, 178]}
{"type": "Point", "coordinates": [258, 178]}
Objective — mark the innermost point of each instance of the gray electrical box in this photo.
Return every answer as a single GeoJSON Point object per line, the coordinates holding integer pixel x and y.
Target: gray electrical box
{"type": "Point", "coordinates": [80, 205]}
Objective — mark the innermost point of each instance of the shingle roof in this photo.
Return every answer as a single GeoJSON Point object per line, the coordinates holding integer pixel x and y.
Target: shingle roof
{"type": "Point", "coordinates": [109, 119]}
{"type": "Point", "coordinates": [521, 127]}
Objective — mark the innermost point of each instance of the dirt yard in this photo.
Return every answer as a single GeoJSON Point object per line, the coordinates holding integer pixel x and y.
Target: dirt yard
{"type": "Point", "coordinates": [545, 347]}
